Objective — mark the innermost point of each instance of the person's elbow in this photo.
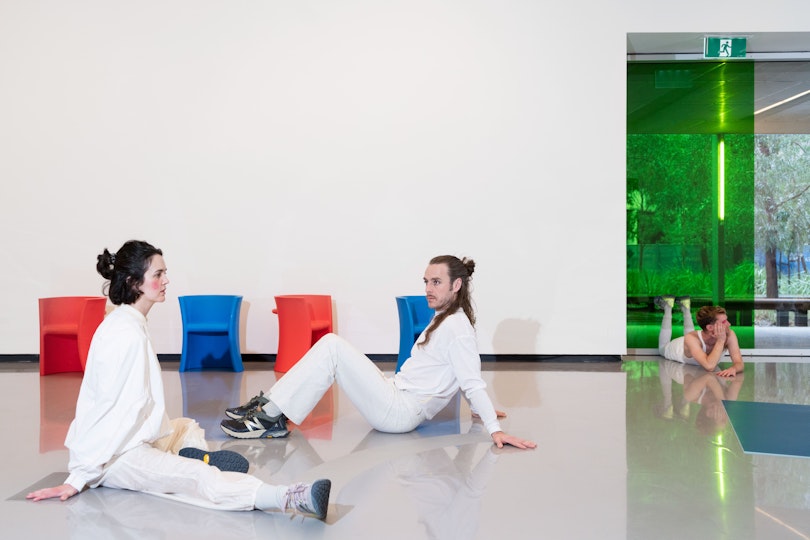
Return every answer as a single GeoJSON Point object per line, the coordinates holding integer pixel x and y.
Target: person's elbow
{"type": "Point", "coordinates": [710, 365]}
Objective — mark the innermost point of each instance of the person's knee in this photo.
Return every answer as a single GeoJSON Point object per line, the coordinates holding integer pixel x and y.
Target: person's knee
{"type": "Point", "coordinates": [328, 341]}
{"type": "Point", "coordinates": [331, 337]}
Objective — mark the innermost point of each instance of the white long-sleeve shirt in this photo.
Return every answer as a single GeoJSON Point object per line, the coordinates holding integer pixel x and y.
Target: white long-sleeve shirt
{"type": "Point", "coordinates": [121, 403]}
{"type": "Point", "coordinates": [447, 363]}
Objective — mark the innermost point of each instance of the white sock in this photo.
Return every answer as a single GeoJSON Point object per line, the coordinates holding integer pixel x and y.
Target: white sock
{"type": "Point", "coordinates": [271, 409]}
{"type": "Point", "coordinates": [665, 335]}
{"type": "Point", "coordinates": [270, 497]}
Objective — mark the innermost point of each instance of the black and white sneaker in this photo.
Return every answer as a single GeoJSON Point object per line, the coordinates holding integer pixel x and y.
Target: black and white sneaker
{"type": "Point", "coordinates": [310, 499]}
{"type": "Point", "coordinates": [241, 411]}
{"type": "Point", "coordinates": [256, 425]}
{"type": "Point", "coordinates": [224, 460]}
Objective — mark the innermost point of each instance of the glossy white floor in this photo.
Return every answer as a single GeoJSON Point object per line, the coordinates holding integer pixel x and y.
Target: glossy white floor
{"type": "Point", "coordinates": [613, 461]}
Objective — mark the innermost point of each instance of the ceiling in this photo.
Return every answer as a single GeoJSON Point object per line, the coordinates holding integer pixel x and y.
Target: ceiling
{"type": "Point", "coordinates": [673, 89]}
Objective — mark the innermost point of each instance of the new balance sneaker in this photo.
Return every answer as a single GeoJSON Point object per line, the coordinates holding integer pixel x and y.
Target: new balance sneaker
{"type": "Point", "coordinates": [664, 301]}
{"type": "Point", "coordinates": [310, 499]}
{"type": "Point", "coordinates": [256, 425]}
{"type": "Point", "coordinates": [224, 460]}
{"type": "Point", "coordinates": [254, 403]}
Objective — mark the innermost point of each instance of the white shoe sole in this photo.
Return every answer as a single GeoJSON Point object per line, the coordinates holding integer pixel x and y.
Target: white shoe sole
{"type": "Point", "coordinates": [256, 434]}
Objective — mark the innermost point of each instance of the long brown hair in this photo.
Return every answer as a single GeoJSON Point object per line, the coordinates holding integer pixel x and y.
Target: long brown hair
{"type": "Point", "coordinates": [456, 268]}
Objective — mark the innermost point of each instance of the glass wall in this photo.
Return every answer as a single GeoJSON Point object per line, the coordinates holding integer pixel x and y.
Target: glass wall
{"type": "Point", "coordinates": [690, 192]}
{"type": "Point", "coordinates": [782, 232]}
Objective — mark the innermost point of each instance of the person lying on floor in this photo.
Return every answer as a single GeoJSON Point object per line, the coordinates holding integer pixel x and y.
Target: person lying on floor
{"type": "Point", "coordinates": [703, 348]}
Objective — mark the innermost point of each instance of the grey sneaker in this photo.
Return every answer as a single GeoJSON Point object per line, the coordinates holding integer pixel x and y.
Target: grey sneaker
{"type": "Point", "coordinates": [310, 499]}
{"type": "Point", "coordinates": [684, 301]}
{"type": "Point", "coordinates": [241, 411]}
{"type": "Point", "coordinates": [256, 425]}
{"type": "Point", "coordinates": [664, 301]}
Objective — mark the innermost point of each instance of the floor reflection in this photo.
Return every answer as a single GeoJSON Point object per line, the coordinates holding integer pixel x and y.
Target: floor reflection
{"type": "Point", "coordinates": [700, 390]}
{"type": "Point", "coordinates": [640, 451]}
{"type": "Point", "coordinates": [57, 407]}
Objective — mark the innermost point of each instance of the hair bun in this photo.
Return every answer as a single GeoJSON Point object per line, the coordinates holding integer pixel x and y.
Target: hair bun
{"type": "Point", "coordinates": [469, 264]}
{"type": "Point", "coordinates": [105, 265]}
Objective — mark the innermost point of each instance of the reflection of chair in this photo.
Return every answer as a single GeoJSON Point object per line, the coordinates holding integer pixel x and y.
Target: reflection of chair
{"type": "Point", "coordinates": [66, 327]}
{"type": "Point", "coordinates": [414, 317]}
{"type": "Point", "coordinates": [303, 319]}
{"type": "Point", "coordinates": [206, 395]}
{"type": "Point", "coordinates": [210, 332]}
{"type": "Point", "coordinates": [446, 422]}
{"type": "Point", "coordinates": [57, 407]}
{"type": "Point", "coordinates": [318, 423]}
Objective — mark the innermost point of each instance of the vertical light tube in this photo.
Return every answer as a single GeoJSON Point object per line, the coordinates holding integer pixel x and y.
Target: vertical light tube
{"type": "Point", "coordinates": [721, 178]}
{"type": "Point", "coordinates": [719, 208]}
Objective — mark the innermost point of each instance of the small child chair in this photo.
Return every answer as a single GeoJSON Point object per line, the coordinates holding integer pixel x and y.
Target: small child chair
{"type": "Point", "coordinates": [210, 332]}
{"type": "Point", "coordinates": [66, 327]}
{"type": "Point", "coordinates": [414, 316]}
{"type": "Point", "coordinates": [303, 319]}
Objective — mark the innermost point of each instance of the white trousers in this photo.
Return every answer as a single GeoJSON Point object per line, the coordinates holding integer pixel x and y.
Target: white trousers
{"type": "Point", "coordinates": [332, 359]}
{"type": "Point", "coordinates": [674, 349]}
{"type": "Point", "coordinates": [191, 481]}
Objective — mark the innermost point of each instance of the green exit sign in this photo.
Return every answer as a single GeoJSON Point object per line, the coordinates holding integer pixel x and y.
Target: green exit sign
{"type": "Point", "coordinates": [724, 47]}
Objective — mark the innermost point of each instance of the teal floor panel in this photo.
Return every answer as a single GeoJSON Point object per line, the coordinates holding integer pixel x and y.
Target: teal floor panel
{"type": "Point", "coordinates": [771, 428]}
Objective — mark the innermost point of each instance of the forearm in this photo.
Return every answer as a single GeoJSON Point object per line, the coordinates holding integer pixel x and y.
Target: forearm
{"type": "Point", "coordinates": [713, 358]}
{"type": "Point", "coordinates": [737, 365]}
{"type": "Point", "coordinates": [482, 405]}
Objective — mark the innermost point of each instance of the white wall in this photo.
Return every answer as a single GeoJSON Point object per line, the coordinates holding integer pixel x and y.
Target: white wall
{"type": "Point", "coordinates": [274, 147]}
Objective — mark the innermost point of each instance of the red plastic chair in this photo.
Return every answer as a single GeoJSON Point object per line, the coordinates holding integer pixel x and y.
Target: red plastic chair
{"type": "Point", "coordinates": [303, 319]}
{"type": "Point", "coordinates": [66, 327]}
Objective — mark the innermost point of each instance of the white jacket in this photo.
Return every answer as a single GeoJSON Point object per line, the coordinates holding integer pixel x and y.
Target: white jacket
{"type": "Point", "coordinates": [121, 403]}
{"type": "Point", "coordinates": [449, 361]}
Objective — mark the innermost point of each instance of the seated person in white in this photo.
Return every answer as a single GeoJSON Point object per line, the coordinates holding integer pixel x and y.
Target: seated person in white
{"type": "Point", "coordinates": [444, 359]}
{"type": "Point", "coordinates": [120, 435]}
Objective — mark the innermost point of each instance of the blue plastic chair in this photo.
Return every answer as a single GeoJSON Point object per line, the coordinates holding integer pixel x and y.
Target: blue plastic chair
{"type": "Point", "coordinates": [210, 332]}
{"type": "Point", "coordinates": [414, 317]}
